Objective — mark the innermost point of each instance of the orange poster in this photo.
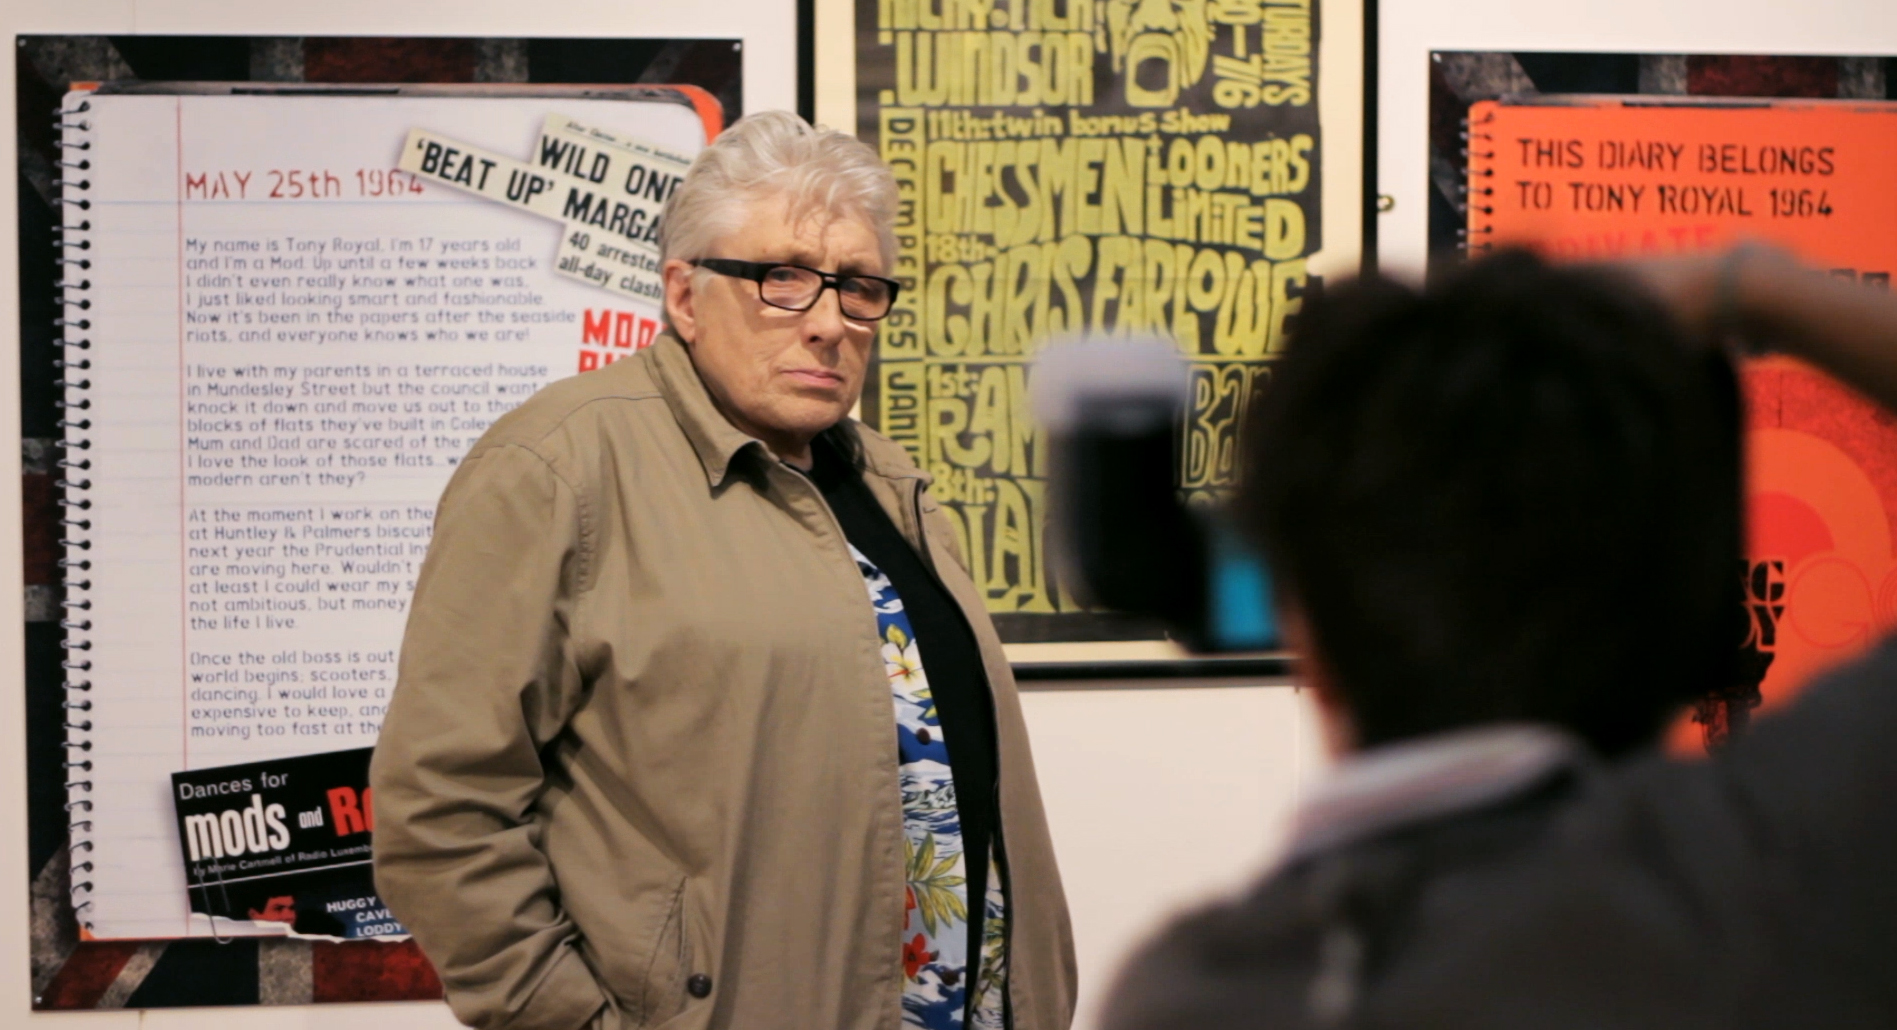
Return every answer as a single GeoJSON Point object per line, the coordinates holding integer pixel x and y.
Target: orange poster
{"type": "Point", "coordinates": [1586, 178]}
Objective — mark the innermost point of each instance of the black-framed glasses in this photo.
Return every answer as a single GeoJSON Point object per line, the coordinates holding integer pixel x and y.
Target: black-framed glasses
{"type": "Point", "coordinates": [865, 298]}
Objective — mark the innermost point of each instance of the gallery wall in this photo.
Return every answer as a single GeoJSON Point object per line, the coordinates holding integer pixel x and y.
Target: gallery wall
{"type": "Point", "coordinates": [1156, 795]}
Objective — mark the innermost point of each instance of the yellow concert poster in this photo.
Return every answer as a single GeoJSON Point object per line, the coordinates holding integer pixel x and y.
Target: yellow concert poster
{"type": "Point", "coordinates": [1082, 167]}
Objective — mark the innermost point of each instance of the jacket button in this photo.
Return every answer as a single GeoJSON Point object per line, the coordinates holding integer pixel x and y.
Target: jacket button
{"type": "Point", "coordinates": [699, 985]}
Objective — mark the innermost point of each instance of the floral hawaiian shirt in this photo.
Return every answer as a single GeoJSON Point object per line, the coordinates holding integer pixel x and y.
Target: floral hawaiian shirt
{"type": "Point", "coordinates": [935, 962]}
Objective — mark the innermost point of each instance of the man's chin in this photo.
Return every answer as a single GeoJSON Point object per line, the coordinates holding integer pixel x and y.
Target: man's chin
{"type": "Point", "coordinates": [810, 407]}
{"type": "Point", "coordinates": [807, 419]}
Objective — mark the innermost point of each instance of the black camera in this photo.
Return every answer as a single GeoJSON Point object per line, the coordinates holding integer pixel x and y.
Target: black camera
{"type": "Point", "coordinates": [1123, 532]}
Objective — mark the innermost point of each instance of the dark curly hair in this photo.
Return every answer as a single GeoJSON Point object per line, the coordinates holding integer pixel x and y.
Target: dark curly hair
{"type": "Point", "coordinates": [1512, 495]}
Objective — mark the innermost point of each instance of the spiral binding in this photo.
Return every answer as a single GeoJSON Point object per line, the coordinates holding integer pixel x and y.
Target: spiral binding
{"type": "Point", "coordinates": [1478, 149]}
{"type": "Point", "coordinates": [75, 622]}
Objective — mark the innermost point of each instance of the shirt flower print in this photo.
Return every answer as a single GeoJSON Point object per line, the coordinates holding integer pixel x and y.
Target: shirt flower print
{"type": "Point", "coordinates": [935, 963]}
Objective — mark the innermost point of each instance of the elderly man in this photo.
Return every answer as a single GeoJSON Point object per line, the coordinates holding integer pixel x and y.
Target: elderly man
{"type": "Point", "coordinates": [701, 720]}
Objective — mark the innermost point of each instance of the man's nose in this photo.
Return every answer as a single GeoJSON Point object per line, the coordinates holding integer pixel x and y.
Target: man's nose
{"type": "Point", "coordinates": [823, 323]}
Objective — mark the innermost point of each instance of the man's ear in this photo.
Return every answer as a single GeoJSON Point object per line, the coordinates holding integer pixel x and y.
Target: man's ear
{"type": "Point", "coordinates": [1314, 673]}
{"type": "Point", "coordinates": [679, 312]}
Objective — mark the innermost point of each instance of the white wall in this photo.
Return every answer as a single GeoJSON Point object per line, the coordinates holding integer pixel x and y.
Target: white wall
{"type": "Point", "coordinates": [1161, 798]}
{"type": "Point", "coordinates": [1157, 797]}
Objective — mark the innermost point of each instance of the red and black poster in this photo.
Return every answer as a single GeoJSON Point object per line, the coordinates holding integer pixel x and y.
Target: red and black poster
{"type": "Point", "coordinates": [1592, 157]}
{"type": "Point", "coordinates": [282, 846]}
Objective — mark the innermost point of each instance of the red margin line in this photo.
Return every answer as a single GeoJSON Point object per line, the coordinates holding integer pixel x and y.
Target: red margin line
{"type": "Point", "coordinates": [184, 737]}
{"type": "Point", "coordinates": [184, 641]}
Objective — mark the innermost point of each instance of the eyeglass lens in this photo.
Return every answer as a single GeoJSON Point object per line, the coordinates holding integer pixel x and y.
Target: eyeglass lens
{"type": "Point", "coordinates": [797, 288]}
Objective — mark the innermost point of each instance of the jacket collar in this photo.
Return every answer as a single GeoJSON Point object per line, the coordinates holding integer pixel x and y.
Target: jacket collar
{"type": "Point", "coordinates": [1412, 782]}
{"type": "Point", "coordinates": [886, 458]}
{"type": "Point", "coordinates": [716, 441]}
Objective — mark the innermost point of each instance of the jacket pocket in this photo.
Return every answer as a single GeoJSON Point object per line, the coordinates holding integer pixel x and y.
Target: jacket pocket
{"type": "Point", "coordinates": [662, 988]}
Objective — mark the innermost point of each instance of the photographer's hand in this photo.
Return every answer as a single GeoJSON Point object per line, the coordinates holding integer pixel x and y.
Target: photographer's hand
{"type": "Point", "coordinates": [1759, 297]}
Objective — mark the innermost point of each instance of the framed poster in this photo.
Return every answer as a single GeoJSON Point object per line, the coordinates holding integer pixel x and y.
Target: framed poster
{"type": "Point", "coordinates": [1068, 168]}
{"type": "Point", "coordinates": [1616, 156]}
{"type": "Point", "coordinates": [201, 694]}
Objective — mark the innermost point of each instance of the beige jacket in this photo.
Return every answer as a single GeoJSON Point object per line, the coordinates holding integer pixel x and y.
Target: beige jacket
{"type": "Point", "coordinates": [643, 733]}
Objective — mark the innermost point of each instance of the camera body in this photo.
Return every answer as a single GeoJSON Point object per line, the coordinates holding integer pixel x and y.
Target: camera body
{"type": "Point", "coordinates": [1123, 533]}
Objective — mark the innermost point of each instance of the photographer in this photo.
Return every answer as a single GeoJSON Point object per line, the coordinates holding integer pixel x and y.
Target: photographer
{"type": "Point", "coordinates": [1504, 513]}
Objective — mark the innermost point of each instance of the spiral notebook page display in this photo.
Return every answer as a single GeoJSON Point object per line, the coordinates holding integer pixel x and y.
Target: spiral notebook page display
{"type": "Point", "coordinates": [278, 345]}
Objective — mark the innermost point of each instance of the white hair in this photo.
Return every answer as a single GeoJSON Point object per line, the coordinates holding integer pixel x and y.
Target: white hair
{"type": "Point", "coordinates": [819, 171]}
